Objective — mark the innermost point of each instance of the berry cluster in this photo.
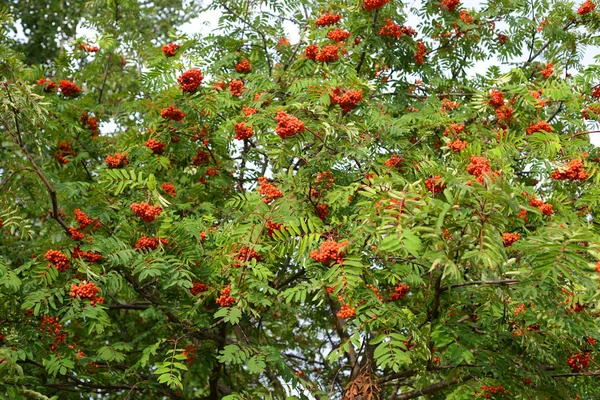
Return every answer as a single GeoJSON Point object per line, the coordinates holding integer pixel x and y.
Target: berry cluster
{"type": "Point", "coordinates": [90, 256]}
{"type": "Point", "coordinates": [84, 221]}
{"type": "Point", "coordinates": [574, 172]}
{"type": "Point", "coordinates": [421, 53]}
{"type": "Point", "coordinates": [509, 238]}
{"type": "Point", "coordinates": [145, 211]}
{"type": "Point", "coordinates": [395, 161]}
{"type": "Point", "coordinates": [492, 391]}
{"type": "Point", "coordinates": [465, 17]}
{"type": "Point", "coordinates": [578, 361]}
{"type": "Point", "coordinates": [170, 49]}
{"type": "Point", "coordinates": [346, 99]}
{"type": "Point", "coordinates": [219, 86]}
{"type": "Point", "coordinates": [586, 7]}
{"type": "Point", "coordinates": [236, 87]}
{"type": "Point", "coordinates": [282, 42]}
{"type": "Point", "coordinates": [156, 146]}
{"type": "Point", "coordinates": [58, 259]}
{"type": "Point", "coordinates": [520, 309]}
{"type": "Point", "coordinates": [545, 208]}
{"type": "Point", "coordinates": [190, 80]}
{"type": "Point", "coordinates": [371, 5]}
{"type": "Point", "coordinates": [268, 191]}
{"type": "Point", "coordinates": [92, 123]}
{"type": "Point", "coordinates": [198, 288]}
{"type": "Point", "coordinates": [68, 88]}
{"type": "Point", "coordinates": [590, 111]}
{"type": "Point", "coordinates": [75, 234]}
{"type": "Point", "coordinates": [497, 99]}
{"type": "Point", "coordinates": [538, 127]}
{"type": "Point", "coordinates": [400, 291]}
{"type": "Point", "coordinates": [596, 92]}
{"type": "Point", "coordinates": [502, 38]}
{"type": "Point", "coordinates": [323, 183]}
{"type": "Point", "coordinates": [457, 145]}
{"type": "Point", "coordinates": [117, 160]}
{"type": "Point", "coordinates": [201, 158]}
{"type": "Point", "coordinates": [249, 111]}
{"type": "Point", "coordinates": [246, 254]}
{"type": "Point", "coordinates": [169, 188]}
{"type": "Point", "coordinates": [479, 168]}
{"type": "Point", "coordinates": [51, 326]}
{"type": "Point", "coordinates": [376, 291]}
{"type": "Point", "coordinates": [547, 71]}
{"type": "Point", "coordinates": [64, 151]}
{"type": "Point", "coordinates": [435, 184]}
{"type": "Point", "coordinates": [225, 299]}
{"type": "Point", "coordinates": [346, 311]}
{"type": "Point", "coordinates": [88, 48]}
{"type": "Point", "coordinates": [288, 125]}
{"type": "Point", "coordinates": [243, 132]}
{"type": "Point", "coordinates": [86, 290]}
{"type": "Point", "coordinates": [454, 129]}
{"type": "Point", "coordinates": [338, 35]}
{"type": "Point", "coordinates": [172, 113]}
{"type": "Point", "coordinates": [327, 53]}
{"type": "Point", "coordinates": [150, 243]}
{"type": "Point", "coordinates": [272, 227]}
{"type": "Point", "coordinates": [450, 5]}
{"type": "Point", "coordinates": [449, 105]}
{"type": "Point", "coordinates": [329, 251]}
{"type": "Point", "coordinates": [597, 267]}
{"type": "Point", "coordinates": [243, 66]}
{"type": "Point", "coordinates": [328, 19]}
{"type": "Point", "coordinates": [591, 340]}
{"type": "Point", "coordinates": [394, 30]}
{"type": "Point", "coordinates": [322, 211]}
{"type": "Point", "coordinates": [47, 84]}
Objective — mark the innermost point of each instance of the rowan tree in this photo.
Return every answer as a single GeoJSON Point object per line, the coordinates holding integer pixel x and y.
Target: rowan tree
{"type": "Point", "coordinates": [371, 210]}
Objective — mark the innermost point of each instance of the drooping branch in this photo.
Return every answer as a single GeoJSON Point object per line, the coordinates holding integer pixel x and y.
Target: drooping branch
{"type": "Point", "coordinates": [430, 389]}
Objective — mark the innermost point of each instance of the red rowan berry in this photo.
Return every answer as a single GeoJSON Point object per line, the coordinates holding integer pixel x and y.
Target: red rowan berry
{"type": "Point", "coordinates": [86, 290]}
{"type": "Point", "coordinates": [170, 49]}
{"type": "Point", "coordinates": [346, 311]}
{"type": "Point", "coordinates": [376, 291]}
{"type": "Point", "coordinates": [201, 158]}
{"type": "Point", "coordinates": [246, 254]}
{"type": "Point", "coordinates": [338, 35]}
{"type": "Point", "coordinates": [547, 71]}
{"type": "Point", "coordinates": [282, 42]}
{"type": "Point", "coordinates": [400, 291]}
{"type": "Point", "coordinates": [75, 234]}
{"type": "Point", "coordinates": [190, 80]}
{"type": "Point", "coordinates": [435, 184]}
{"type": "Point", "coordinates": [68, 88]}
{"type": "Point", "coordinates": [242, 131]}
{"type": "Point", "coordinates": [243, 66]}
{"type": "Point", "coordinates": [509, 238]}
{"type": "Point", "coordinates": [346, 99]}
{"type": "Point", "coordinates": [268, 192]}
{"type": "Point", "coordinates": [90, 256]}
{"type": "Point", "coordinates": [492, 391]}
{"type": "Point", "coordinates": [421, 53]}
{"type": "Point", "coordinates": [395, 161]}
{"type": "Point", "coordinates": [329, 251]}
{"type": "Point", "coordinates": [465, 17]}
{"type": "Point", "coordinates": [591, 340]}
{"type": "Point", "coordinates": [225, 299]}
{"type": "Point", "coordinates": [172, 113]}
{"type": "Point", "coordinates": [328, 19]}
{"type": "Point", "coordinates": [328, 53]}
{"type": "Point", "coordinates": [198, 288]}
{"type": "Point", "coordinates": [574, 172]}
{"type": "Point", "coordinates": [502, 38]}
{"type": "Point", "coordinates": [450, 5]}
{"type": "Point", "coordinates": [578, 361]}
{"type": "Point", "coordinates": [538, 127]}
{"type": "Point", "coordinates": [117, 160]}
{"type": "Point", "coordinates": [58, 259]}
{"type": "Point", "coordinates": [145, 211]}
{"type": "Point", "coordinates": [272, 227]}
{"type": "Point", "coordinates": [236, 87]}
{"type": "Point", "coordinates": [169, 188]}
{"type": "Point", "coordinates": [311, 52]}
{"type": "Point", "coordinates": [249, 111]}
{"type": "Point", "coordinates": [47, 84]}
{"type": "Point", "coordinates": [391, 29]}
{"type": "Point", "coordinates": [150, 243]}
{"type": "Point", "coordinates": [586, 7]}
{"type": "Point", "coordinates": [156, 146]}
{"type": "Point", "coordinates": [371, 5]}
{"type": "Point", "coordinates": [457, 145]}
{"type": "Point", "coordinates": [220, 85]}
{"type": "Point", "coordinates": [288, 125]}
{"type": "Point", "coordinates": [449, 105]}
{"type": "Point", "coordinates": [497, 99]}
{"type": "Point", "coordinates": [322, 211]}
{"type": "Point", "coordinates": [504, 113]}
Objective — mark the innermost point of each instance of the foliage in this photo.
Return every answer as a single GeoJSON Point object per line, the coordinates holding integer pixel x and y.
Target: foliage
{"type": "Point", "coordinates": [364, 217]}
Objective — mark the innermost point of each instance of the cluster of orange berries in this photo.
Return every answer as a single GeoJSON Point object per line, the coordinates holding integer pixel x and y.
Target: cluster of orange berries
{"type": "Point", "coordinates": [190, 80]}
{"type": "Point", "coordinates": [47, 84]}
{"type": "Point", "coordinates": [90, 256]}
{"type": "Point", "coordinates": [172, 113]}
{"type": "Point", "coordinates": [538, 127]}
{"type": "Point", "coordinates": [64, 151]}
{"type": "Point", "coordinates": [450, 4]}
{"type": "Point", "coordinates": [328, 19]}
{"type": "Point", "coordinates": [288, 125]}
{"type": "Point", "coordinates": [435, 184]}
{"type": "Point", "coordinates": [454, 129]}
{"type": "Point", "coordinates": [249, 111]}
{"type": "Point", "coordinates": [579, 361]}
{"type": "Point", "coordinates": [346, 311]}
{"type": "Point", "coordinates": [449, 105]}
{"type": "Point", "coordinates": [400, 291]}
{"type": "Point", "coordinates": [201, 158]}
{"type": "Point", "coordinates": [338, 35]}
{"type": "Point", "coordinates": [545, 208]}
{"type": "Point", "coordinates": [156, 146]}
{"type": "Point", "coordinates": [190, 353]}
{"type": "Point", "coordinates": [197, 288]}
{"type": "Point", "coordinates": [457, 145]}
{"type": "Point", "coordinates": [326, 54]}
{"type": "Point", "coordinates": [591, 340]}
{"type": "Point", "coordinates": [376, 291]}
{"type": "Point", "coordinates": [88, 47]}
{"type": "Point", "coordinates": [150, 243]}
{"type": "Point", "coordinates": [51, 326]}
{"type": "Point", "coordinates": [170, 49]}
{"type": "Point", "coordinates": [346, 99]}
{"type": "Point", "coordinates": [492, 391]}
{"type": "Point", "coordinates": [479, 167]}
{"type": "Point", "coordinates": [391, 29]}
{"type": "Point", "coordinates": [329, 251]}
{"type": "Point", "coordinates": [247, 254]}
{"type": "Point", "coordinates": [371, 5]}
{"type": "Point", "coordinates": [509, 238]}
{"type": "Point", "coordinates": [322, 211]}
{"type": "Point", "coordinates": [574, 172]}
{"type": "Point", "coordinates": [273, 226]}
{"type": "Point", "coordinates": [268, 192]}
{"type": "Point", "coordinates": [86, 290]}
{"type": "Point", "coordinates": [497, 99]}
{"type": "Point", "coordinates": [68, 88]}
{"type": "Point", "coordinates": [547, 71]}
{"type": "Point", "coordinates": [145, 211]}
{"type": "Point", "coordinates": [92, 123]}
{"type": "Point", "coordinates": [236, 87]}
{"type": "Point", "coordinates": [421, 53]}
{"type": "Point", "coordinates": [394, 161]}
{"type": "Point", "coordinates": [282, 42]}
{"type": "Point", "coordinates": [225, 299]}
{"type": "Point", "coordinates": [117, 160]}
{"type": "Point", "coordinates": [323, 183]}
{"type": "Point", "coordinates": [586, 7]}
{"type": "Point", "coordinates": [243, 132]}
{"type": "Point", "coordinates": [57, 259]}
{"type": "Point", "coordinates": [520, 309]}
{"type": "Point", "coordinates": [243, 66]}
{"type": "Point", "coordinates": [169, 189]}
